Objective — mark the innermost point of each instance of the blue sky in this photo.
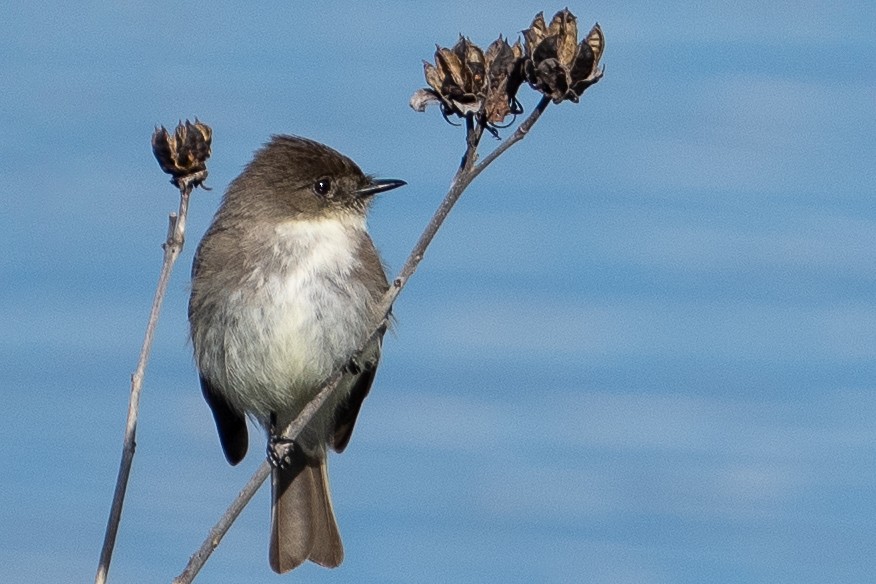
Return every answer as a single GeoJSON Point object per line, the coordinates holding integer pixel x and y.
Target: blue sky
{"type": "Point", "coordinates": [642, 349]}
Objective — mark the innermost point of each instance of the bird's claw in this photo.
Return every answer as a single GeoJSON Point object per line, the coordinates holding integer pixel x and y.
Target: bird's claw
{"type": "Point", "coordinates": [280, 451]}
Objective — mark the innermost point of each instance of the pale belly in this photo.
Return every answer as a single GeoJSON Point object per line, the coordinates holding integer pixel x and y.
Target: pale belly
{"type": "Point", "coordinates": [286, 339]}
{"type": "Point", "coordinates": [288, 323]}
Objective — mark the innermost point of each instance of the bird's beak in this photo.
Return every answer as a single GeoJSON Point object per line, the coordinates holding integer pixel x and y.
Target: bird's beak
{"type": "Point", "coordinates": [379, 185]}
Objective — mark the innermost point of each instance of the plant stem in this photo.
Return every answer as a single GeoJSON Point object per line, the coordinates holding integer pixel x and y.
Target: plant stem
{"type": "Point", "coordinates": [172, 248]}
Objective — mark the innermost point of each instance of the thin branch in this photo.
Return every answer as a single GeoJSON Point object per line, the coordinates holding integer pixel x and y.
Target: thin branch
{"type": "Point", "coordinates": [518, 135]}
{"type": "Point", "coordinates": [464, 176]}
{"type": "Point", "coordinates": [199, 558]}
{"type": "Point", "coordinates": [172, 248]}
{"type": "Point", "coordinates": [197, 561]}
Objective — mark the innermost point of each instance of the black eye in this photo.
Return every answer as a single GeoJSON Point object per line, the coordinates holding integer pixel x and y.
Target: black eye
{"type": "Point", "coordinates": [322, 186]}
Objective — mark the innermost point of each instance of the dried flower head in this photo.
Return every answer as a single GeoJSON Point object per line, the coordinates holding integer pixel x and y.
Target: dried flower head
{"type": "Point", "coordinates": [466, 81]}
{"type": "Point", "coordinates": [504, 64]}
{"type": "Point", "coordinates": [185, 152]}
{"type": "Point", "coordinates": [555, 63]}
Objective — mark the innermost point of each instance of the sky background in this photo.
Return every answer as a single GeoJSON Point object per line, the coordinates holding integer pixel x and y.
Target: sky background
{"type": "Point", "coordinates": [641, 350]}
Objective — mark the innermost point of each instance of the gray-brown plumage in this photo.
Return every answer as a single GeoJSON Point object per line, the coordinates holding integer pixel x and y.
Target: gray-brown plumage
{"type": "Point", "coordinates": [284, 288]}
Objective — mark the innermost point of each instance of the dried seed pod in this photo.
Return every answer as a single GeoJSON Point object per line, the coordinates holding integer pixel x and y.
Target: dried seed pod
{"type": "Point", "coordinates": [185, 152]}
{"type": "Point", "coordinates": [466, 81]}
{"type": "Point", "coordinates": [555, 63]}
{"type": "Point", "coordinates": [504, 76]}
{"type": "Point", "coordinates": [536, 33]}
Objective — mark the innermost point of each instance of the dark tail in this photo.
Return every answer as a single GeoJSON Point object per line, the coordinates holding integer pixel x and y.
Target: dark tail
{"type": "Point", "coordinates": [303, 525]}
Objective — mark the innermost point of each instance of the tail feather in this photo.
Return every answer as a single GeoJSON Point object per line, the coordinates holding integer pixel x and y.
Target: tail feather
{"type": "Point", "coordinates": [303, 525]}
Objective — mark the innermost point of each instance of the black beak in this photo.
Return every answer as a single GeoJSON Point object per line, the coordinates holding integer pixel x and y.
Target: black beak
{"type": "Point", "coordinates": [379, 185]}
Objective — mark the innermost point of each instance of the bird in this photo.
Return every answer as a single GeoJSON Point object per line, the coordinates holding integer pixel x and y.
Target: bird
{"type": "Point", "coordinates": [286, 282]}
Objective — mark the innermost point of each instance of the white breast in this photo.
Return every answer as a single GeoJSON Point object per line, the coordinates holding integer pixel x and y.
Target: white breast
{"type": "Point", "coordinates": [296, 317]}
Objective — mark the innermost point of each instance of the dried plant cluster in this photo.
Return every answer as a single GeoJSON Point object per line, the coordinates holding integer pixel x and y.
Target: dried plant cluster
{"type": "Point", "coordinates": [185, 152]}
{"type": "Point", "coordinates": [556, 64]}
{"type": "Point", "coordinates": [467, 81]}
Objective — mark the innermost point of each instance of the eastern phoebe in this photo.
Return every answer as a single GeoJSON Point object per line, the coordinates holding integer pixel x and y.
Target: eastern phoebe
{"type": "Point", "coordinates": [284, 288]}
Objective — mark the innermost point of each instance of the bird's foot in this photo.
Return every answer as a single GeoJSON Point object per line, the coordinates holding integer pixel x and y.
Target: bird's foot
{"type": "Point", "coordinates": [280, 451]}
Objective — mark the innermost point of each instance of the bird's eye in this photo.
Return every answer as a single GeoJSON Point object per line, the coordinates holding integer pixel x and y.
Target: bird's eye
{"type": "Point", "coordinates": [322, 186]}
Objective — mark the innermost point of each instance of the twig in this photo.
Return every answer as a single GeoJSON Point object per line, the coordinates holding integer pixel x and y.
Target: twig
{"type": "Point", "coordinates": [517, 136]}
{"type": "Point", "coordinates": [465, 174]}
{"type": "Point", "coordinates": [199, 558]}
{"type": "Point", "coordinates": [172, 248]}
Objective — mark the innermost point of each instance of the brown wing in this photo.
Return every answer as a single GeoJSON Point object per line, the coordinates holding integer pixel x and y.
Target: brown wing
{"type": "Point", "coordinates": [348, 411]}
{"type": "Point", "coordinates": [230, 424]}
{"type": "Point", "coordinates": [373, 274]}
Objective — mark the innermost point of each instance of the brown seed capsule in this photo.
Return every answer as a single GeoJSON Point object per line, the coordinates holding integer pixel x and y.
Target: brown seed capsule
{"type": "Point", "coordinates": [466, 81]}
{"type": "Point", "coordinates": [555, 63]}
{"type": "Point", "coordinates": [504, 76]}
{"type": "Point", "coordinates": [185, 152]}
